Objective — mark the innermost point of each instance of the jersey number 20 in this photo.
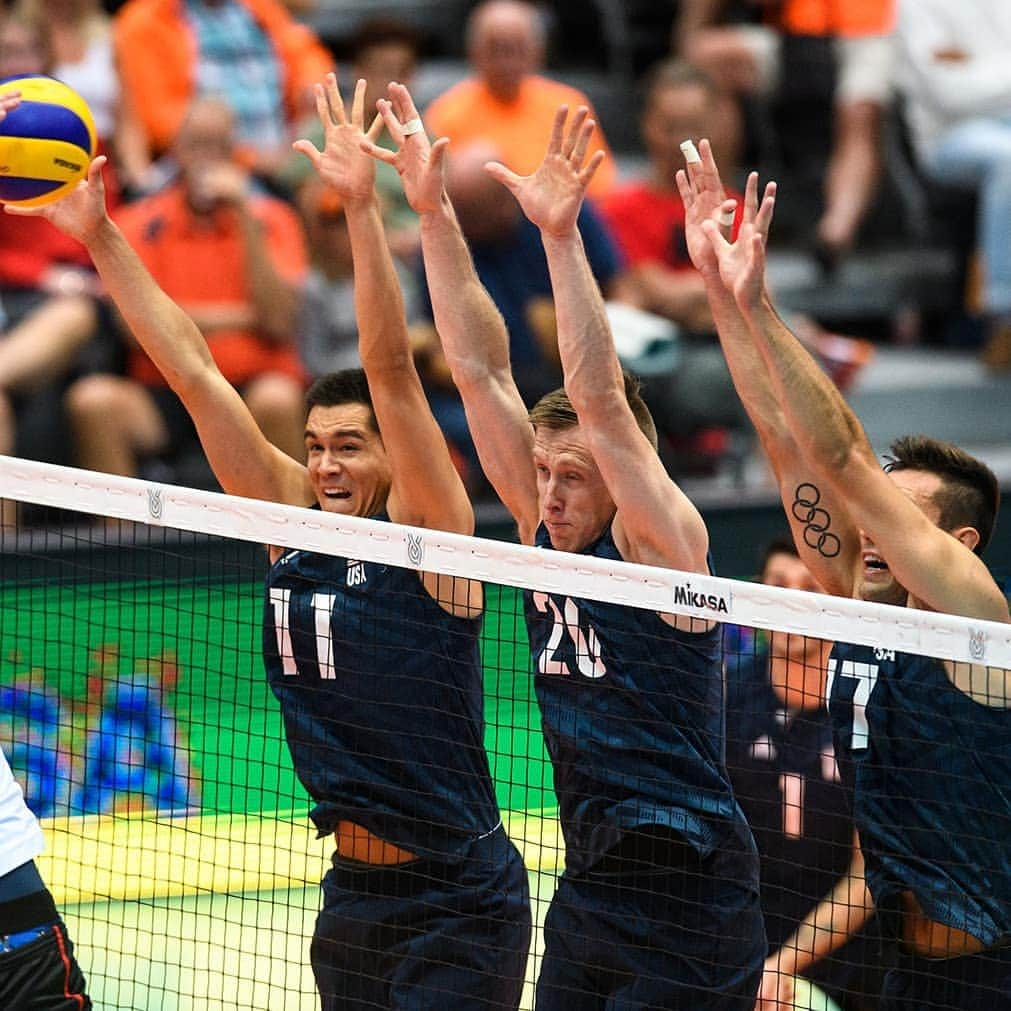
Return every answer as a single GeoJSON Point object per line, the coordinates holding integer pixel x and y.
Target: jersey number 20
{"type": "Point", "coordinates": [566, 622]}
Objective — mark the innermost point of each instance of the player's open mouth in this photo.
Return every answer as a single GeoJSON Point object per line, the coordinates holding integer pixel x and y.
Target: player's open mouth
{"type": "Point", "coordinates": [339, 494]}
{"type": "Point", "coordinates": [875, 563]}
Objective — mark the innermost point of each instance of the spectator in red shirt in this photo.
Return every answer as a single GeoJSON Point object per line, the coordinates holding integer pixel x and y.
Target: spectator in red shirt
{"type": "Point", "coordinates": [646, 218]}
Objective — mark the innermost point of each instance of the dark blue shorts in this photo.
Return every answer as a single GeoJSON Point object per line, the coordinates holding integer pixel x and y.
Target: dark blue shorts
{"type": "Point", "coordinates": [684, 934]}
{"type": "Point", "coordinates": [429, 935]}
{"type": "Point", "coordinates": [972, 983]}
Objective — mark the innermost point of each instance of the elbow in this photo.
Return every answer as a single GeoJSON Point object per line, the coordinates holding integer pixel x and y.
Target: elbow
{"type": "Point", "coordinates": [189, 377]}
{"type": "Point", "coordinates": [853, 461]}
{"type": "Point", "coordinates": [470, 373]}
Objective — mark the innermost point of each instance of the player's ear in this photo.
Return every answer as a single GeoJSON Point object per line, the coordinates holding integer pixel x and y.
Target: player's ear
{"type": "Point", "coordinates": [969, 536]}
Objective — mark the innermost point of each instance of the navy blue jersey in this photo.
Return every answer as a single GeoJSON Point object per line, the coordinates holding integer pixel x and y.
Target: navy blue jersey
{"type": "Point", "coordinates": [632, 711]}
{"type": "Point", "coordinates": [783, 769]}
{"type": "Point", "coordinates": [382, 698]}
{"type": "Point", "coordinates": [931, 776]}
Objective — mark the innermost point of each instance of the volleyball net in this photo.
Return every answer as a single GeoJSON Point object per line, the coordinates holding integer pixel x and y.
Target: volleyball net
{"type": "Point", "coordinates": [182, 846]}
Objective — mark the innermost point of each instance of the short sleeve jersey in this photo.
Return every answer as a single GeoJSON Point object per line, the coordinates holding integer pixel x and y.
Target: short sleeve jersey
{"type": "Point", "coordinates": [201, 260]}
{"type": "Point", "coordinates": [632, 711]}
{"type": "Point", "coordinates": [785, 777]}
{"type": "Point", "coordinates": [20, 833]}
{"type": "Point", "coordinates": [930, 770]}
{"type": "Point", "coordinates": [382, 698]}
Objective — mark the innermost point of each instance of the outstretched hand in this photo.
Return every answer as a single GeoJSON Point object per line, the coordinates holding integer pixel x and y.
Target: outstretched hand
{"type": "Point", "coordinates": [342, 163]}
{"type": "Point", "coordinates": [81, 212]}
{"type": "Point", "coordinates": [419, 163]}
{"type": "Point", "coordinates": [552, 196]}
{"type": "Point", "coordinates": [742, 262]}
{"type": "Point", "coordinates": [703, 196]}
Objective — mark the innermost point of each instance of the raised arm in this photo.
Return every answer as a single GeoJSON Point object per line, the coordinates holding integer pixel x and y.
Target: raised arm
{"type": "Point", "coordinates": [826, 537]}
{"type": "Point", "coordinates": [426, 491]}
{"type": "Point", "coordinates": [244, 462]}
{"type": "Point", "coordinates": [825, 929]}
{"type": "Point", "coordinates": [471, 329]}
{"type": "Point", "coordinates": [938, 570]}
{"type": "Point", "coordinates": [655, 522]}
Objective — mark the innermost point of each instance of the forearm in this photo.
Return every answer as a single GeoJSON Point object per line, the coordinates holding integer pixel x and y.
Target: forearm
{"type": "Point", "coordinates": [748, 369]}
{"type": "Point", "coordinates": [692, 16]}
{"type": "Point", "coordinates": [819, 419]}
{"type": "Point", "coordinates": [473, 334]}
{"type": "Point", "coordinates": [589, 362]}
{"type": "Point", "coordinates": [383, 340]}
{"type": "Point", "coordinates": [853, 170]}
{"type": "Point", "coordinates": [274, 298]}
{"type": "Point", "coordinates": [828, 926]}
{"type": "Point", "coordinates": [133, 157]}
{"type": "Point", "coordinates": [211, 317]}
{"type": "Point", "coordinates": [163, 330]}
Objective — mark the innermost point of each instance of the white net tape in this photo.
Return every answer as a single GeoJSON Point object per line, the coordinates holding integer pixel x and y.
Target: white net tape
{"type": "Point", "coordinates": [894, 628]}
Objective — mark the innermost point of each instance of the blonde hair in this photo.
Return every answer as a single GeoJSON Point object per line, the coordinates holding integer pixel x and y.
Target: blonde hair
{"type": "Point", "coordinates": [554, 411]}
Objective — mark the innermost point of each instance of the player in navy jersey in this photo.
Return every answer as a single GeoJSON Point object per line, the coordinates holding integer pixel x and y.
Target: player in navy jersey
{"type": "Point", "coordinates": [376, 669]}
{"type": "Point", "coordinates": [924, 744]}
{"type": "Point", "coordinates": [658, 905]}
{"type": "Point", "coordinates": [782, 765]}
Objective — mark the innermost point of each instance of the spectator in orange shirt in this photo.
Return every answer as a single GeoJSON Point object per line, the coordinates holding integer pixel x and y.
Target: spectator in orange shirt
{"type": "Point", "coordinates": [235, 262]}
{"type": "Point", "coordinates": [251, 53]}
{"type": "Point", "coordinates": [507, 103]}
{"type": "Point", "coordinates": [804, 51]}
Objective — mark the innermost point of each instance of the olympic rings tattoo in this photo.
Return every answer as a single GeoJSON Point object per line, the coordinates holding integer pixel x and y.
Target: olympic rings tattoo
{"type": "Point", "coordinates": [816, 520]}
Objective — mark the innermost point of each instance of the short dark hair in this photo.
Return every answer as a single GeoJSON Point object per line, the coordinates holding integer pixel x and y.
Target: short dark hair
{"type": "Point", "coordinates": [348, 386]}
{"type": "Point", "coordinates": [383, 31]}
{"type": "Point", "coordinates": [554, 411]}
{"type": "Point", "coordinates": [782, 545]}
{"type": "Point", "coordinates": [969, 494]}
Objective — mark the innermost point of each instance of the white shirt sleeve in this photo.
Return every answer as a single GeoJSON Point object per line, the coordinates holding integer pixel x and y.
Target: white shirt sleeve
{"type": "Point", "coordinates": [957, 89]}
{"type": "Point", "coordinates": [20, 833]}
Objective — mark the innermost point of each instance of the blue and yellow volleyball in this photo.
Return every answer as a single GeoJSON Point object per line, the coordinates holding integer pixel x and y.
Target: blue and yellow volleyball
{"type": "Point", "coordinates": [46, 143]}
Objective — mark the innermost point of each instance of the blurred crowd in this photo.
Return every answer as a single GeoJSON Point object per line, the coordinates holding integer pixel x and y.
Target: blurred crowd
{"type": "Point", "coordinates": [197, 103]}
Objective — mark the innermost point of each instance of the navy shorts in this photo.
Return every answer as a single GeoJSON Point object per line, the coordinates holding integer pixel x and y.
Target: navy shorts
{"type": "Point", "coordinates": [971, 983]}
{"type": "Point", "coordinates": [43, 974]}
{"type": "Point", "coordinates": [429, 935]}
{"type": "Point", "coordinates": [674, 931]}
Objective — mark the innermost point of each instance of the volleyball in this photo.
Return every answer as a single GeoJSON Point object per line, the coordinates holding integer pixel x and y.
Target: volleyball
{"type": "Point", "coordinates": [46, 143]}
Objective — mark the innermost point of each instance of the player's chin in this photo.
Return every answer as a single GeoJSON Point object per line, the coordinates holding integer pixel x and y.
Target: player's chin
{"type": "Point", "coordinates": [564, 538]}
{"type": "Point", "coordinates": [344, 506]}
{"type": "Point", "coordinates": [880, 590]}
